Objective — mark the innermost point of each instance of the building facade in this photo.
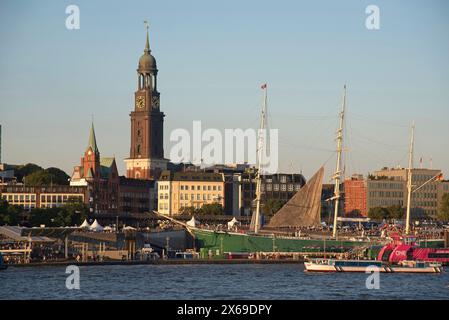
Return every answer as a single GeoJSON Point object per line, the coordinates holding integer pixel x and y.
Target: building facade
{"type": "Point", "coordinates": [146, 160]}
{"type": "Point", "coordinates": [137, 195]}
{"type": "Point", "coordinates": [180, 190]}
{"type": "Point", "coordinates": [100, 176]}
{"type": "Point", "coordinates": [388, 187]}
{"type": "Point", "coordinates": [43, 197]}
{"type": "Point", "coordinates": [240, 187]}
{"type": "Point", "coordinates": [355, 195]}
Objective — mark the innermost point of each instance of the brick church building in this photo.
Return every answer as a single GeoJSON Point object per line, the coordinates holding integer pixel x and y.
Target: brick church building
{"type": "Point", "coordinates": [146, 160]}
{"type": "Point", "coordinates": [99, 175]}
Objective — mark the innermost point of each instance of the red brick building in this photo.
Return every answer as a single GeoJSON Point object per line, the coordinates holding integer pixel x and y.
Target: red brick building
{"type": "Point", "coordinates": [100, 176]}
{"type": "Point", "coordinates": [355, 192]}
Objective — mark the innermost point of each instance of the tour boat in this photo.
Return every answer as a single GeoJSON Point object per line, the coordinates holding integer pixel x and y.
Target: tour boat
{"type": "Point", "coordinates": [367, 266]}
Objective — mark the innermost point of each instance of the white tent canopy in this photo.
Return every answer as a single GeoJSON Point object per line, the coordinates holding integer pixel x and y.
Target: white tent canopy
{"type": "Point", "coordinates": [192, 222]}
{"type": "Point", "coordinates": [233, 222]}
{"type": "Point", "coordinates": [85, 224]}
{"type": "Point", "coordinates": [96, 226]}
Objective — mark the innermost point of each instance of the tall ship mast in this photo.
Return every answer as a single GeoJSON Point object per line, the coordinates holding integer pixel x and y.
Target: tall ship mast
{"type": "Point", "coordinates": [337, 173]}
{"type": "Point", "coordinates": [409, 179]}
{"type": "Point", "coordinates": [259, 160]}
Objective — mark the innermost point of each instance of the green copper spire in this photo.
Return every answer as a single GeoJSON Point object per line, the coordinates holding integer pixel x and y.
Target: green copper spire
{"type": "Point", "coordinates": [92, 139]}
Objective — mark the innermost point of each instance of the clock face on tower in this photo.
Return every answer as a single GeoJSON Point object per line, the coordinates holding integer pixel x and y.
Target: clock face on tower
{"type": "Point", "coordinates": [140, 102]}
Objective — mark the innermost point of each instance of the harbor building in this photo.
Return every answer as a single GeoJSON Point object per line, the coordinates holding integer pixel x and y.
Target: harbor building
{"type": "Point", "coordinates": [146, 160]}
{"type": "Point", "coordinates": [240, 187]}
{"type": "Point", "coordinates": [137, 196]}
{"type": "Point", "coordinates": [180, 190]}
{"type": "Point", "coordinates": [43, 197]}
{"type": "Point", "coordinates": [388, 187]}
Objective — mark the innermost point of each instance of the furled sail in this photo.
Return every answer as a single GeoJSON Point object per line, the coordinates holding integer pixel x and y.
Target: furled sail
{"type": "Point", "coordinates": [253, 221]}
{"type": "Point", "coordinates": [304, 208]}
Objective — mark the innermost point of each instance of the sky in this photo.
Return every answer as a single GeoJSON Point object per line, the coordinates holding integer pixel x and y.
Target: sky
{"type": "Point", "coordinates": [212, 58]}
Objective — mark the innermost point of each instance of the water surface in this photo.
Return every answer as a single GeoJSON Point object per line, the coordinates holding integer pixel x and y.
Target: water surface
{"type": "Point", "coordinates": [214, 282]}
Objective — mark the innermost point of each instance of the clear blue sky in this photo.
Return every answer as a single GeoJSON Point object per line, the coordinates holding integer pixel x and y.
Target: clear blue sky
{"type": "Point", "coordinates": [212, 57]}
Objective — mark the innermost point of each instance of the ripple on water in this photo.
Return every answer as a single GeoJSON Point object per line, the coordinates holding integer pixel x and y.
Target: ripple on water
{"type": "Point", "coordinates": [213, 282]}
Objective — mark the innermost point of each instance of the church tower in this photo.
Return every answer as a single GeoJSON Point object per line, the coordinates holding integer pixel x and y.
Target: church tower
{"type": "Point", "coordinates": [146, 160]}
{"type": "Point", "coordinates": [91, 160]}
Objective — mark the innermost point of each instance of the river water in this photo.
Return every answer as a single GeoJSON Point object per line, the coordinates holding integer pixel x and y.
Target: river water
{"type": "Point", "coordinates": [214, 282]}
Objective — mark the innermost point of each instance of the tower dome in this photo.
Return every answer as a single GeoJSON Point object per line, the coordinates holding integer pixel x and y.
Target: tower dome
{"type": "Point", "coordinates": [147, 63]}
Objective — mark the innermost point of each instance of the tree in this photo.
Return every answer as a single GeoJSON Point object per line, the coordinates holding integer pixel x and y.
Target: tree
{"type": "Point", "coordinates": [272, 206]}
{"type": "Point", "coordinates": [70, 214]}
{"type": "Point", "coordinates": [443, 210]}
{"type": "Point", "coordinates": [190, 211]}
{"type": "Point", "coordinates": [214, 209]}
{"type": "Point", "coordinates": [396, 212]}
{"type": "Point", "coordinates": [25, 170]}
{"type": "Point", "coordinates": [9, 215]}
{"type": "Point", "coordinates": [59, 176]}
{"type": "Point", "coordinates": [47, 177]}
{"type": "Point", "coordinates": [378, 213]}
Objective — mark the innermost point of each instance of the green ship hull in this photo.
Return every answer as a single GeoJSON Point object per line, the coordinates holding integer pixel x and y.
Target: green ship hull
{"type": "Point", "coordinates": [236, 242]}
{"type": "Point", "coordinates": [219, 242]}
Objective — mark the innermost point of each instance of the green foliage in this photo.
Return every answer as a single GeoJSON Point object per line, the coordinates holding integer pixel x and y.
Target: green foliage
{"type": "Point", "coordinates": [188, 211]}
{"type": "Point", "coordinates": [25, 170]}
{"type": "Point", "coordinates": [443, 210]}
{"type": "Point", "coordinates": [271, 206]}
{"type": "Point", "coordinates": [47, 177]}
{"type": "Point", "coordinates": [9, 215]}
{"type": "Point", "coordinates": [70, 214]}
{"type": "Point", "coordinates": [393, 212]}
{"type": "Point", "coordinates": [396, 212]}
{"type": "Point", "coordinates": [214, 209]}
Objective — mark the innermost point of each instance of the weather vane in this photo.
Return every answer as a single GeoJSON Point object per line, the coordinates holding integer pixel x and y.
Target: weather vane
{"type": "Point", "coordinates": [147, 25]}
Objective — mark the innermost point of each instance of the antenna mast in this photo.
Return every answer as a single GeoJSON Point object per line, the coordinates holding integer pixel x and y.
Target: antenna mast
{"type": "Point", "coordinates": [337, 174]}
